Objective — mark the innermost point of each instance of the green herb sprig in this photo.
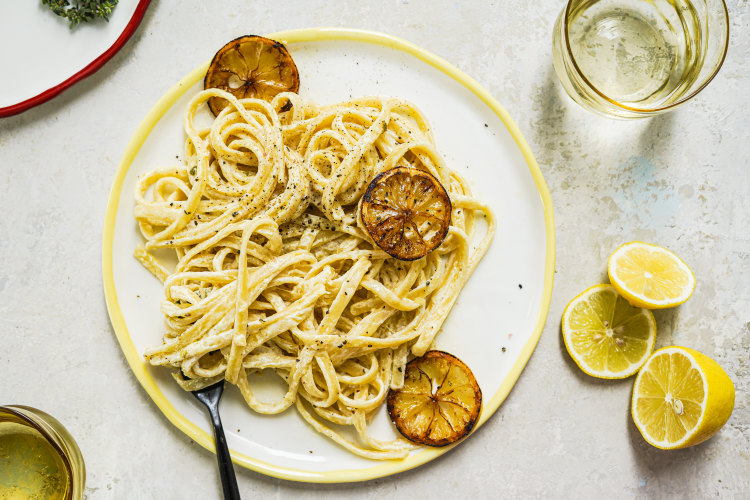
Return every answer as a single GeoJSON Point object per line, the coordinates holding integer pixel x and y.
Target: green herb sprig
{"type": "Point", "coordinates": [81, 11]}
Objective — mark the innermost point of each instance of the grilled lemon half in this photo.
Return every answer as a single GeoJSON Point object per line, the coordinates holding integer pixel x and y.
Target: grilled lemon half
{"type": "Point", "coordinates": [406, 212]}
{"type": "Point", "coordinates": [440, 401]}
{"type": "Point", "coordinates": [251, 66]}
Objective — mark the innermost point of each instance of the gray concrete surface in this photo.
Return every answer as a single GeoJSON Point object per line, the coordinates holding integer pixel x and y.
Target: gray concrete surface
{"type": "Point", "coordinates": [679, 180]}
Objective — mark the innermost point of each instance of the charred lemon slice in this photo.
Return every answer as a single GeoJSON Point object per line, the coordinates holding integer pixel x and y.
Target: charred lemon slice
{"type": "Point", "coordinates": [407, 212]}
{"type": "Point", "coordinates": [251, 66]}
{"type": "Point", "coordinates": [439, 402]}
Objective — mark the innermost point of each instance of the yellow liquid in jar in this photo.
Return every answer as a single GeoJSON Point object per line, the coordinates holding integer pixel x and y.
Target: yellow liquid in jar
{"type": "Point", "coordinates": [30, 467]}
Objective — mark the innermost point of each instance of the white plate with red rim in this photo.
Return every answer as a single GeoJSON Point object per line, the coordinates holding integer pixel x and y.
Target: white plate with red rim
{"type": "Point", "coordinates": [498, 318]}
{"type": "Point", "coordinates": [42, 56]}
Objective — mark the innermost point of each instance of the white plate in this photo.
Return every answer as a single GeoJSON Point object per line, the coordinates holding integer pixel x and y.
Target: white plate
{"type": "Point", "coordinates": [498, 317]}
{"type": "Point", "coordinates": [47, 57]}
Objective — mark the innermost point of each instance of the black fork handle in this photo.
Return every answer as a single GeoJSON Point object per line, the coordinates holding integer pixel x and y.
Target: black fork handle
{"type": "Point", "coordinates": [226, 471]}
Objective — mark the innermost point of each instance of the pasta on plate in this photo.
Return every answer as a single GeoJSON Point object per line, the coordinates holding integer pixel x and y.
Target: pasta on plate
{"type": "Point", "coordinates": [274, 269]}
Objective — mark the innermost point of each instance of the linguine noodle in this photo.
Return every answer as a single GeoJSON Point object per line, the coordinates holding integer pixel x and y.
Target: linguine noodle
{"type": "Point", "coordinates": [274, 270]}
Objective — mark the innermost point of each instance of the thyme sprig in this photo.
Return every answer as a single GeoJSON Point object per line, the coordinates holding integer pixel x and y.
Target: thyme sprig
{"type": "Point", "coordinates": [81, 11]}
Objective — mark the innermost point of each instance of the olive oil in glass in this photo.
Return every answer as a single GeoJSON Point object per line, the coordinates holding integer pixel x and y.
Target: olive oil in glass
{"type": "Point", "coordinates": [30, 467]}
{"type": "Point", "coordinates": [39, 459]}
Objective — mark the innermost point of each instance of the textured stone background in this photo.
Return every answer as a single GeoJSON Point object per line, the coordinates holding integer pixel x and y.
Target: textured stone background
{"type": "Point", "coordinates": [679, 180]}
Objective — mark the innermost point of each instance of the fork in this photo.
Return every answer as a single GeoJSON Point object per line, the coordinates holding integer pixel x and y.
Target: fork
{"type": "Point", "coordinates": [210, 397]}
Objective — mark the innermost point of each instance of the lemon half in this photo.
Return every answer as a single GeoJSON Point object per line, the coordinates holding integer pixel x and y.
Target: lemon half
{"type": "Point", "coordinates": [605, 335]}
{"type": "Point", "coordinates": [440, 401]}
{"type": "Point", "coordinates": [407, 212]}
{"type": "Point", "coordinates": [681, 398]}
{"type": "Point", "coordinates": [251, 66]}
{"type": "Point", "coordinates": [650, 276]}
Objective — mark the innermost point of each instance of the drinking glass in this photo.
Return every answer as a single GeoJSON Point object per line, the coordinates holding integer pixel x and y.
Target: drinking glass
{"type": "Point", "coordinates": [38, 456]}
{"type": "Point", "coordinates": [639, 58]}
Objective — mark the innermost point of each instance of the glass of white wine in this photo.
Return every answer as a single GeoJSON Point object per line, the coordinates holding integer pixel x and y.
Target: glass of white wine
{"type": "Point", "coordinates": [639, 58]}
{"type": "Point", "coordinates": [38, 457]}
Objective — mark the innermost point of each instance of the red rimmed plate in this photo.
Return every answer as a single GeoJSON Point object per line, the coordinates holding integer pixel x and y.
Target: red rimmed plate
{"type": "Point", "coordinates": [46, 57]}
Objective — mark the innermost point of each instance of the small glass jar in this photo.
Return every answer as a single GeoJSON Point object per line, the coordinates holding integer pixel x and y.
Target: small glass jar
{"type": "Point", "coordinates": [38, 456]}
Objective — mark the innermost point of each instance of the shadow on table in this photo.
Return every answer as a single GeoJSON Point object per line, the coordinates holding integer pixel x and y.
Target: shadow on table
{"type": "Point", "coordinates": [655, 465]}
{"type": "Point", "coordinates": [549, 124]}
{"type": "Point", "coordinates": [560, 125]}
{"type": "Point", "coordinates": [666, 319]}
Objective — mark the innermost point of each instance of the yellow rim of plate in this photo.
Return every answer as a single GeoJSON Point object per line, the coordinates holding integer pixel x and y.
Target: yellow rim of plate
{"type": "Point", "coordinates": [138, 365]}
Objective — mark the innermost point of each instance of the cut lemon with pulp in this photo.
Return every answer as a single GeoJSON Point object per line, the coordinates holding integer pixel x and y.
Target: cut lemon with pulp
{"type": "Point", "coordinates": [251, 66]}
{"type": "Point", "coordinates": [407, 212]}
{"type": "Point", "coordinates": [681, 398]}
{"type": "Point", "coordinates": [605, 335]}
{"type": "Point", "coordinates": [650, 276]}
{"type": "Point", "coordinates": [439, 402]}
